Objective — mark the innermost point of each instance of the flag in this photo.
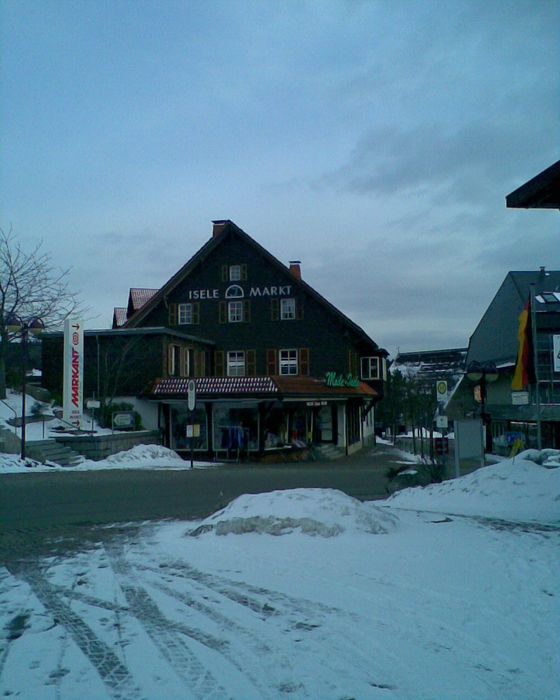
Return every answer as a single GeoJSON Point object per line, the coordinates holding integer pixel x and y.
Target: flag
{"type": "Point", "coordinates": [524, 369]}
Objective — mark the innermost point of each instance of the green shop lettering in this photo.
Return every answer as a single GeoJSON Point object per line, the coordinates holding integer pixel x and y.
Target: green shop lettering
{"type": "Point", "coordinates": [335, 380]}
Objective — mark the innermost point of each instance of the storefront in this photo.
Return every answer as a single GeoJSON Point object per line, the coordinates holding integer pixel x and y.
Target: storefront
{"type": "Point", "coordinates": [260, 415]}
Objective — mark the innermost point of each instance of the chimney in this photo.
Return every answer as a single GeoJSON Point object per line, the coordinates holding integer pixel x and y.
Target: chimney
{"type": "Point", "coordinates": [218, 227]}
{"type": "Point", "coordinates": [295, 268]}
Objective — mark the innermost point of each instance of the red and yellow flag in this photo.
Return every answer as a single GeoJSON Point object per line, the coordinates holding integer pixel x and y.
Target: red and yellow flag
{"type": "Point", "coordinates": [523, 368]}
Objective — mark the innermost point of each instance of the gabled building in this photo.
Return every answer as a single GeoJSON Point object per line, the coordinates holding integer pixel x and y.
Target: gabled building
{"type": "Point", "coordinates": [508, 413]}
{"type": "Point", "coordinates": [275, 364]}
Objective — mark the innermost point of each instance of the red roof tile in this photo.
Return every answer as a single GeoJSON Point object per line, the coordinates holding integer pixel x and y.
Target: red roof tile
{"type": "Point", "coordinates": [140, 296]}
{"type": "Point", "coordinates": [277, 386]}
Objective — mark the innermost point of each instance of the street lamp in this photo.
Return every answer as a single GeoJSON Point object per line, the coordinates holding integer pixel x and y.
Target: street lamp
{"type": "Point", "coordinates": [483, 373]}
{"type": "Point", "coordinates": [22, 329]}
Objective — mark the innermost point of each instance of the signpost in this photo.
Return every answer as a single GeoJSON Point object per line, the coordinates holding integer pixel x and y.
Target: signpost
{"type": "Point", "coordinates": [91, 405]}
{"type": "Point", "coordinates": [191, 403]}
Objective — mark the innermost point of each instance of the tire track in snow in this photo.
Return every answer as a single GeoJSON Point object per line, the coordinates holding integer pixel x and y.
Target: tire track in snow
{"type": "Point", "coordinates": [164, 633]}
{"type": "Point", "coordinates": [116, 677]}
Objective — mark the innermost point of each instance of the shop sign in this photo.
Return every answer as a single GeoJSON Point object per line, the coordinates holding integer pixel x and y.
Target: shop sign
{"type": "Point", "coordinates": [123, 420]}
{"type": "Point", "coordinates": [316, 403]}
{"type": "Point", "coordinates": [520, 398]}
{"type": "Point", "coordinates": [237, 292]}
{"type": "Point", "coordinates": [341, 380]}
{"type": "Point", "coordinates": [556, 352]}
{"type": "Point", "coordinates": [73, 376]}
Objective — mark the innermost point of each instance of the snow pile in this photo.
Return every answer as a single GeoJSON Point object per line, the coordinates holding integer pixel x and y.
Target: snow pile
{"type": "Point", "coordinates": [515, 489]}
{"type": "Point", "coordinates": [14, 463]}
{"type": "Point", "coordinates": [139, 456]}
{"type": "Point", "coordinates": [548, 458]}
{"type": "Point", "coordinates": [323, 512]}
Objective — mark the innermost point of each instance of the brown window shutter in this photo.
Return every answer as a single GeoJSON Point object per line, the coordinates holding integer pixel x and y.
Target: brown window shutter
{"type": "Point", "coordinates": [225, 273]}
{"type": "Point", "coordinates": [196, 312]}
{"type": "Point", "coordinates": [304, 361]}
{"type": "Point", "coordinates": [251, 363]}
{"type": "Point", "coordinates": [247, 310]}
{"type": "Point", "coordinates": [243, 272]}
{"type": "Point", "coordinates": [353, 363]}
{"type": "Point", "coordinates": [274, 309]}
{"type": "Point", "coordinates": [172, 314]}
{"type": "Point", "coordinates": [165, 360]}
{"type": "Point", "coordinates": [200, 363]}
{"type": "Point", "coordinates": [222, 306]}
{"type": "Point", "coordinates": [271, 362]}
{"type": "Point", "coordinates": [219, 363]}
{"type": "Point", "coordinates": [299, 309]}
{"type": "Point", "coordinates": [184, 361]}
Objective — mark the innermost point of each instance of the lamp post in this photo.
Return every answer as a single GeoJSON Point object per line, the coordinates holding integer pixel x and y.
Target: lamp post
{"type": "Point", "coordinates": [21, 328]}
{"type": "Point", "coordinates": [483, 373]}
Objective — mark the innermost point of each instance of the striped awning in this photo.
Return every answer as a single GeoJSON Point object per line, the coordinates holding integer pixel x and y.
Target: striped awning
{"type": "Point", "coordinates": [273, 387]}
{"type": "Point", "coordinates": [214, 386]}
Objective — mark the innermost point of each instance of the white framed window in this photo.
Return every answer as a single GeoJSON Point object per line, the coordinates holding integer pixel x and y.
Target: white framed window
{"type": "Point", "coordinates": [185, 314]}
{"type": "Point", "coordinates": [236, 363]}
{"type": "Point", "coordinates": [287, 309]}
{"type": "Point", "coordinates": [234, 273]}
{"type": "Point", "coordinates": [235, 311]}
{"type": "Point", "coordinates": [288, 361]}
{"type": "Point", "coordinates": [370, 368]}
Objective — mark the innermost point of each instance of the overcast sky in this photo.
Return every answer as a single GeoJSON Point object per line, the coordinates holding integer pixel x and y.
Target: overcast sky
{"type": "Point", "coordinates": [373, 141]}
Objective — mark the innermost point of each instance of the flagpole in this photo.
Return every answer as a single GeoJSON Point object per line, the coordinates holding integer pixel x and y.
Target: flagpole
{"type": "Point", "coordinates": [534, 338]}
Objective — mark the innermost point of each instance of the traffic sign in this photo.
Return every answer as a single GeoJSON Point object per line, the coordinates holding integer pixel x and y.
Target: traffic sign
{"type": "Point", "coordinates": [441, 391]}
{"type": "Point", "coordinates": [191, 394]}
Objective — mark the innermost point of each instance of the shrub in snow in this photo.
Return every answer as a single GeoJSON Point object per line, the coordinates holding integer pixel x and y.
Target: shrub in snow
{"type": "Point", "coordinates": [322, 512]}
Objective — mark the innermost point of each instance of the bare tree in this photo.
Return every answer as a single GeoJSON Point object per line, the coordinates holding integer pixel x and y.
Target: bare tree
{"type": "Point", "coordinates": [31, 286]}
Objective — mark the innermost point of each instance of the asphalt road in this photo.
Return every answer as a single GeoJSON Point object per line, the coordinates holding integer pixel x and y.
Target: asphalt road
{"type": "Point", "coordinates": [47, 500]}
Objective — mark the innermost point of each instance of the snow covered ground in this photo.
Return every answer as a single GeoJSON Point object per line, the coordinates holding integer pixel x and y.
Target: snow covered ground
{"type": "Point", "coordinates": [302, 594]}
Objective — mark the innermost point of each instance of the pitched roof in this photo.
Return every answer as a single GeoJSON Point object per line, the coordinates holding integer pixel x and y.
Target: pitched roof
{"type": "Point", "coordinates": [540, 192]}
{"type": "Point", "coordinates": [138, 296]}
{"type": "Point", "coordinates": [119, 316]}
{"type": "Point", "coordinates": [495, 337]}
{"type": "Point", "coordinates": [228, 228]}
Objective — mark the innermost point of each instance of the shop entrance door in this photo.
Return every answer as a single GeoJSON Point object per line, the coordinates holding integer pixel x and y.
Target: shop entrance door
{"type": "Point", "coordinates": [324, 424]}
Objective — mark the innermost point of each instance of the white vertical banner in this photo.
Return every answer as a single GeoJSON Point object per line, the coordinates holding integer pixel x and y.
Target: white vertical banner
{"type": "Point", "coordinates": [556, 352]}
{"type": "Point", "coordinates": [73, 377]}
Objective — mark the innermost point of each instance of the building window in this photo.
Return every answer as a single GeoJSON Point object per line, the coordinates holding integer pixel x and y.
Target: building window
{"type": "Point", "coordinates": [234, 273]}
{"type": "Point", "coordinates": [236, 363]}
{"type": "Point", "coordinates": [370, 368]}
{"type": "Point", "coordinates": [185, 314]}
{"type": "Point", "coordinates": [287, 309]}
{"type": "Point", "coordinates": [235, 311]}
{"type": "Point", "coordinates": [288, 362]}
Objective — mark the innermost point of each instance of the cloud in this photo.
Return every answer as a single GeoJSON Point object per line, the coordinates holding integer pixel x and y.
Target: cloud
{"type": "Point", "coordinates": [465, 164]}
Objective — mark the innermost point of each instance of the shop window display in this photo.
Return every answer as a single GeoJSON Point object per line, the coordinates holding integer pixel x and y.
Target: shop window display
{"type": "Point", "coordinates": [236, 429]}
{"type": "Point", "coordinates": [180, 419]}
